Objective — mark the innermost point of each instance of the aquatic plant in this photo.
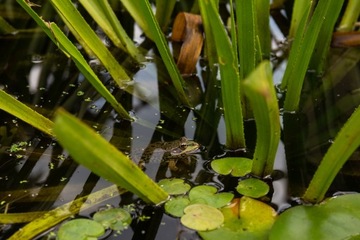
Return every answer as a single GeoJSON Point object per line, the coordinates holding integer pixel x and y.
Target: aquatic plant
{"type": "Point", "coordinates": [246, 84]}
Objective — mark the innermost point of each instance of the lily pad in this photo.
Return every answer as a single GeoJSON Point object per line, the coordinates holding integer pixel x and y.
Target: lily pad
{"type": "Point", "coordinates": [336, 218]}
{"type": "Point", "coordinates": [175, 206]}
{"type": "Point", "coordinates": [236, 166]}
{"type": "Point", "coordinates": [244, 218]}
{"type": "Point", "coordinates": [174, 186]}
{"type": "Point", "coordinates": [115, 218]}
{"type": "Point", "coordinates": [201, 217]}
{"type": "Point", "coordinates": [208, 195]}
{"type": "Point", "coordinates": [253, 187]}
{"type": "Point", "coordinates": [82, 229]}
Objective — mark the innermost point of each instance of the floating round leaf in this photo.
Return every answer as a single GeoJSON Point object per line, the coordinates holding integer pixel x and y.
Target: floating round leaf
{"type": "Point", "coordinates": [115, 218]}
{"type": "Point", "coordinates": [336, 218]}
{"type": "Point", "coordinates": [252, 187]}
{"type": "Point", "coordinates": [235, 166]}
{"type": "Point", "coordinates": [201, 217]}
{"type": "Point", "coordinates": [175, 206]}
{"type": "Point", "coordinates": [174, 186]}
{"type": "Point", "coordinates": [209, 195]}
{"type": "Point", "coordinates": [244, 218]}
{"type": "Point", "coordinates": [80, 229]}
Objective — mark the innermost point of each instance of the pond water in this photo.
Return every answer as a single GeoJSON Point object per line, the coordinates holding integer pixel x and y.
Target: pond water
{"type": "Point", "coordinates": [42, 176]}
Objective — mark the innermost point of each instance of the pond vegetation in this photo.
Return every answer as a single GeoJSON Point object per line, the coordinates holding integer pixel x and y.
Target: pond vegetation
{"type": "Point", "coordinates": [179, 119]}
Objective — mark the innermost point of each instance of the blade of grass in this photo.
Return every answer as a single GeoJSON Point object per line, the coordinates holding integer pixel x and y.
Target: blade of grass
{"type": "Point", "coordinates": [230, 81]}
{"type": "Point", "coordinates": [303, 48]}
{"type": "Point", "coordinates": [57, 36]}
{"type": "Point", "coordinates": [259, 89]}
{"type": "Point", "coordinates": [350, 16]}
{"type": "Point", "coordinates": [77, 24]}
{"type": "Point", "coordinates": [102, 13]}
{"type": "Point", "coordinates": [23, 112]}
{"type": "Point", "coordinates": [164, 9]}
{"type": "Point", "coordinates": [66, 45]}
{"type": "Point", "coordinates": [246, 36]}
{"type": "Point", "coordinates": [5, 27]}
{"type": "Point", "coordinates": [55, 216]}
{"type": "Point", "coordinates": [345, 143]}
{"type": "Point", "coordinates": [40, 22]}
{"type": "Point", "coordinates": [94, 152]}
{"type": "Point", "coordinates": [263, 29]}
{"type": "Point", "coordinates": [143, 15]}
{"type": "Point", "coordinates": [301, 8]}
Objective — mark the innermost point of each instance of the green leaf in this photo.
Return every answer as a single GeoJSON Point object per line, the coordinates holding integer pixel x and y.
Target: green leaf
{"type": "Point", "coordinates": [253, 187]}
{"type": "Point", "coordinates": [80, 229]}
{"type": "Point", "coordinates": [23, 112]}
{"type": "Point", "coordinates": [102, 13]}
{"type": "Point", "coordinates": [208, 195]}
{"type": "Point", "coordinates": [237, 167]}
{"type": "Point", "coordinates": [230, 79]}
{"type": "Point", "coordinates": [94, 152]}
{"type": "Point", "coordinates": [303, 48]}
{"type": "Point", "coordinates": [175, 206]}
{"type": "Point", "coordinates": [345, 143]}
{"type": "Point", "coordinates": [55, 216]}
{"type": "Point", "coordinates": [202, 217]}
{"type": "Point", "coordinates": [336, 218]}
{"type": "Point", "coordinates": [59, 38]}
{"type": "Point", "coordinates": [143, 15]}
{"type": "Point", "coordinates": [116, 219]}
{"type": "Point", "coordinates": [244, 218]}
{"type": "Point", "coordinates": [88, 38]}
{"type": "Point", "coordinates": [259, 88]}
{"type": "Point", "coordinates": [174, 186]}
{"type": "Point", "coordinates": [69, 48]}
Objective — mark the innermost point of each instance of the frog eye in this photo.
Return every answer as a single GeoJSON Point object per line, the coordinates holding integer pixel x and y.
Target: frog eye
{"type": "Point", "coordinates": [183, 145]}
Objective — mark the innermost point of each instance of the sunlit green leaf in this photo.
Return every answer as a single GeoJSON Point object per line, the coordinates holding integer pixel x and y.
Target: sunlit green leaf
{"type": "Point", "coordinates": [174, 186]}
{"type": "Point", "coordinates": [116, 219]}
{"type": "Point", "coordinates": [259, 89]}
{"type": "Point", "coordinates": [245, 218]}
{"type": "Point", "coordinates": [80, 229]}
{"type": "Point", "coordinates": [88, 38]}
{"type": "Point", "coordinates": [23, 112]}
{"type": "Point", "coordinates": [94, 152]}
{"type": "Point", "coordinates": [208, 195]}
{"type": "Point", "coordinates": [237, 167]}
{"type": "Point", "coordinates": [252, 187]}
{"type": "Point", "coordinates": [55, 216]}
{"type": "Point", "coordinates": [175, 206]}
{"type": "Point", "coordinates": [202, 217]}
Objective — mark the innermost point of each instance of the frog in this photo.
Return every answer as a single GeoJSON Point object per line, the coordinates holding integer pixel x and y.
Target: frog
{"type": "Point", "coordinates": [172, 152]}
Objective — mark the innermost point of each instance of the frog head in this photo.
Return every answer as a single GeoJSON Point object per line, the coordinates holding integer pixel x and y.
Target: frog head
{"type": "Point", "coordinates": [185, 146]}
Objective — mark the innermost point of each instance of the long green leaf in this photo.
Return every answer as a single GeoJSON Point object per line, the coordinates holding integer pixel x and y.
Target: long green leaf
{"type": "Point", "coordinates": [23, 112]}
{"type": "Point", "coordinates": [143, 15]}
{"type": "Point", "coordinates": [94, 152]}
{"type": "Point", "coordinates": [79, 26]}
{"type": "Point", "coordinates": [345, 143]}
{"type": "Point", "coordinates": [230, 81]}
{"type": "Point", "coordinates": [55, 216]}
{"type": "Point", "coordinates": [259, 88]}
{"type": "Point", "coordinates": [246, 31]}
{"type": "Point", "coordinates": [164, 9]}
{"type": "Point", "coordinates": [102, 13]}
{"type": "Point", "coordinates": [300, 9]}
{"type": "Point", "coordinates": [303, 49]}
{"type": "Point", "coordinates": [350, 16]}
{"type": "Point", "coordinates": [57, 36]}
{"type": "Point", "coordinates": [66, 45]}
